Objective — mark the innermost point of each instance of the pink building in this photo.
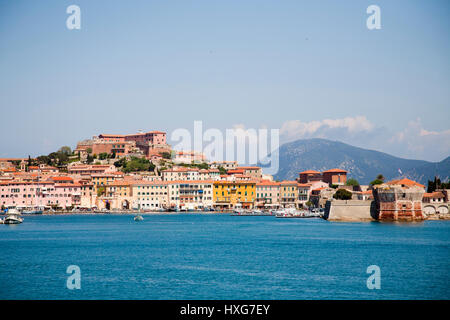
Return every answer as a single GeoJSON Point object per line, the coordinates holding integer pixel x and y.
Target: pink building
{"type": "Point", "coordinates": [42, 193]}
{"type": "Point", "coordinates": [150, 143]}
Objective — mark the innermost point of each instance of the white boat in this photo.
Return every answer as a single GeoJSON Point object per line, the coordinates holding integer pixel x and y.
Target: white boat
{"type": "Point", "coordinates": [12, 216]}
{"type": "Point", "coordinates": [35, 210]}
{"type": "Point", "coordinates": [238, 208]}
{"type": "Point", "coordinates": [138, 218]}
{"type": "Point", "coordinates": [287, 212]}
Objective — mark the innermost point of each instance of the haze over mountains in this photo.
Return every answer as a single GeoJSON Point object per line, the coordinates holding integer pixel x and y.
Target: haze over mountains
{"type": "Point", "coordinates": [361, 164]}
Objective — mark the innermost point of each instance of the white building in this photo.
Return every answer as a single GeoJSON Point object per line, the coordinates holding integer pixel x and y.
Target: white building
{"type": "Point", "coordinates": [150, 195]}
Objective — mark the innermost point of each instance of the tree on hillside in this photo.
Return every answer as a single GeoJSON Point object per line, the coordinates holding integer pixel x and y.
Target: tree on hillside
{"type": "Point", "coordinates": [166, 155]}
{"type": "Point", "coordinates": [352, 182]}
{"type": "Point", "coordinates": [65, 150]}
{"type": "Point", "coordinates": [375, 182]}
{"type": "Point", "coordinates": [103, 156]}
{"type": "Point", "coordinates": [222, 170]}
{"type": "Point", "coordinates": [342, 194]}
{"type": "Point", "coordinates": [203, 165]}
{"type": "Point", "coordinates": [378, 180]}
{"type": "Point", "coordinates": [120, 163]}
{"type": "Point", "coordinates": [44, 160]}
{"type": "Point", "coordinates": [134, 164]}
{"type": "Point", "coordinates": [89, 159]}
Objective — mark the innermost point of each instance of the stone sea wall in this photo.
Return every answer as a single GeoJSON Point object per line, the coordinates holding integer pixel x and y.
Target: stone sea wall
{"type": "Point", "coordinates": [350, 210]}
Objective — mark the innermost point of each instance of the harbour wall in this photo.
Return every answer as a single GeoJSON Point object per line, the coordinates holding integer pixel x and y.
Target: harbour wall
{"type": "Point", "coordinates": [350, 210]}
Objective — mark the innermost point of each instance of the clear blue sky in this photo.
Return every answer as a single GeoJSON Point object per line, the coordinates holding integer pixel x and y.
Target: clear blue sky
{"type": "Point", "coordinates": [160, 65]}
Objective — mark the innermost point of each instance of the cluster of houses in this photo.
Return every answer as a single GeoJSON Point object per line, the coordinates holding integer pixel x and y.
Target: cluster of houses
{"type": "Point", "coordinates": [222, 185]}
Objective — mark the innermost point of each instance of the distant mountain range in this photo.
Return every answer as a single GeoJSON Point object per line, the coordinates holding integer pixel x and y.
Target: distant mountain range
{"type": "Point", "coordinates": [361, 164]}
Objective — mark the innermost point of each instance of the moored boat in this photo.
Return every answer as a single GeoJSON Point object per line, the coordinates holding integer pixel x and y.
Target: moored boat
{"type": "Point", "coordinates": [138, 218]}
{"type": "Point", "coordinates": [36, 210]}
{"type": "Point", "coordinates": [12, 216]}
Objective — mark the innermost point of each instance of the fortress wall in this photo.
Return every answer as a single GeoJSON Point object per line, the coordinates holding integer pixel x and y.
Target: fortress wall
{"type": "Point", "coordinates": [349, 210]}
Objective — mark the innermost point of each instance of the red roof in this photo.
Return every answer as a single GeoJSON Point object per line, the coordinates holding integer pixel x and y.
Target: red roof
{"type": "Point", "coordinates": [233, 171]}
{"type": "Point", "coordinates": [309, 172]}
{"type": "Point", "coordinates": [336, 171]}
{"type": "Point", "coordinates": [304, 184]}
{"type": "Point", "coordinates": [406, 182]}
{"type": "Point", "coordinates": [436, 194]}
{"type": "Point", "coordinates": [268, 183]}
{"type": "Point", "coordinates": [61, 178]}
{"type": "Point", "coordinates": [289, 182]}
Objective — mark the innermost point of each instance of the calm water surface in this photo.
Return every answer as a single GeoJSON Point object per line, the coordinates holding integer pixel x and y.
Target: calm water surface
{"type": "Point", "coordinates": [201, 256]}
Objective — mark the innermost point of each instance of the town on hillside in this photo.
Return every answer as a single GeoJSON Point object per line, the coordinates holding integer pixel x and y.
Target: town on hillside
{"type": "Point", "coordinates": [140, 172]}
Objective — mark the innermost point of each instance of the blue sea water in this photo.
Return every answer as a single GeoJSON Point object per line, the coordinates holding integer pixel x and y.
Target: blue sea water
{"type": "Point", "coordinates": [211, 256]}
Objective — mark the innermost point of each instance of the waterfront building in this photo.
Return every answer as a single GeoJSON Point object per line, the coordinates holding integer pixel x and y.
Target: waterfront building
{"type": "Point", "coordinates": [40, 193]}
{"type": "Point", "coordinates": [319, 196]}
{"type": "Point", "coordinates": [267, 194]}
{"type": "Point", "coordinates": [150, 195]}
{"type": "Point", "coordinates": [228, 194]}
{"type": "Point", "coordinates": [88, 195]}
{"type": "Point", "coordinates": [116, 195]}
{"type": "Point", "coordinates": [436, 202]}
{"type": "Point", "coordinates": [304, 190]}
{"type": "Point", "coordinates": [289, 194]}
{"type": "Point", "coordinates": [191, 195]}
{"type": "Point", "coordinates": [399, 200]}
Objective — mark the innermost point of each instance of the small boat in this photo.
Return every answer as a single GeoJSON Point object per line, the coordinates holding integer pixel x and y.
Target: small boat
{"type": "Point", "coordinates": [138, 218]}
{"type": "Point", "coordinates": [33, 211]}
{"type": "Point", "coordinates": [12, 217]}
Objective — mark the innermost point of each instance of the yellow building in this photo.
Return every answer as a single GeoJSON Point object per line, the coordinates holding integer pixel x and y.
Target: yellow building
{"type": "Point", "coordinates": [101, 180]}
{"type": "Point", "coordinates": [229, 193]}
{"type": "Point", "coordinates": [289, 194]}
{"type": "Point", "coordinates": [116, 195]}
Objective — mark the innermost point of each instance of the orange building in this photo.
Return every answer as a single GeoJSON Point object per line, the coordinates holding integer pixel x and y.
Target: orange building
{"type": "Point", "coordinates": [335, 176]}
